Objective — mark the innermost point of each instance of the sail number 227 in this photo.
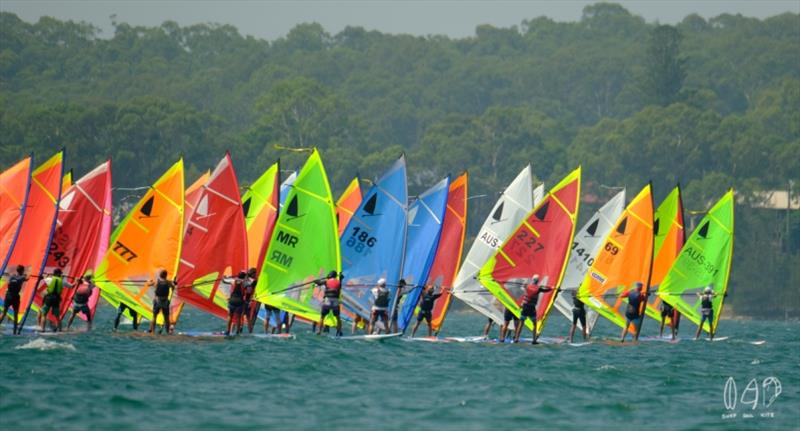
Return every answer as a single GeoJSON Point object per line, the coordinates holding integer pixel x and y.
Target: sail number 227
{"type": "Point", "coordinates": [360, 240]}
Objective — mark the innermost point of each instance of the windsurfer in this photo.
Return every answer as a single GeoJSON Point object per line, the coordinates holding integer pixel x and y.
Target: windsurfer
{"type": "Point", "coordinates": [80, 301]}
{"type": "Point", "coordinates": [508, 316]}
{"type": "Point", "coordinates": [52, 298]}
{"type": "Point", "coordinates": [578, 315]}
{"type": "Point", "coordinates": [426, 302]}
{"type": "Point", "coordinates": [235, 303]}
{"type": "Point", "coordinates": [667, 311]}
{"type": "Point", "coordinates": [12, 298]}
{"type": "Point", "coordinates": [330, 301]}
{"type": "Point", "coordinates": [633, 313]}
{"type": "Point", "coordinates": [121, 310]}
{"type": "Point", "coordinates": [250, 306]}
{"type": "Point", "coordinates": [162, 300]}
{"type": "Point", "coordinates": [380, 306]}
{"type": "Point", "coordinates": [706, 310]}
{"type": "Point", "coordinates": [528, 307]}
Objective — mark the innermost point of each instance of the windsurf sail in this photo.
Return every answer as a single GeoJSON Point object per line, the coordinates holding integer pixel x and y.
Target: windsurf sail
{"type": "Point", "coordinates": [214, 242]}
{"type": "Point", "coordinates": [374, 240]}
{"type": "Point", "coordinates": [540, 245]}
{"type": "Point", "coordinates": [348, 204]}
{"type": "Point", "coordinates": [15, 185]}
{"type": "Point", "coordinates": [36, 230]}
{"type": "Point", "coordinates": [585, 247]}
{"type": "Point", "coordinates": [668, 239]}
{"type": "Point", "coordinates": [66, 182]}
{"type": "Point", "coordinates": [538, 194]}
{"type": "Point", "coordinates": [81, 229]}
{"type": "Point", "coordinates": [624, 259]}
{"type": "Point", "coordinates": [260, 206]}
{"type": "Point", "coordinates": [425, 217]}
{"type": "Point", "coordinates": [451, 244]}
{"type": "Point", "coordinates": [304, 245]}
{"type": "Point", "coordinates": [510, 209]}
{"type": "Point", "coordinates": [704, 260]}
{"type": "Point", "coordinates": [192, 195]}
{"type": "Point", "coordinates": [147, 240]}
{"type": "Point", "coordinates": [286, 185]}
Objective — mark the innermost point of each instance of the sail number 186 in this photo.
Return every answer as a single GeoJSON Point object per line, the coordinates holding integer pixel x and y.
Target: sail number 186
{"type": "Point", "coordinates": [360, 239]}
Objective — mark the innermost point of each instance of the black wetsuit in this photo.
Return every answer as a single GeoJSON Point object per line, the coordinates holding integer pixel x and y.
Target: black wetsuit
{"type": "Point", "coordinates": [12, 298]}
{"type": "Point", "coordinates": [161, 301]}
{"type": "Point", "coordinates": [578, 310]}
{"type": "Point", "coordinates": [236, 298]}
{"type": "Point", "coordinates": [426, 306]}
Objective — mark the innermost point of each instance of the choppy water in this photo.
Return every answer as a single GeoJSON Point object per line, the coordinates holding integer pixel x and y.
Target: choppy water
{"type": "Point", "coordinates": [121, 382]}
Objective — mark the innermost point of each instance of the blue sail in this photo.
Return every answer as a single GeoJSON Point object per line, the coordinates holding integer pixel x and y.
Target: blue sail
{"type": "Point", "coordinates": [373, 242]}
{"type": "Point", "coordinates": [424, 228]}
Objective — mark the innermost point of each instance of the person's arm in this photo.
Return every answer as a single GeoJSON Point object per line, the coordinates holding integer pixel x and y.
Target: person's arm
{"type": "Point", "coordinates": [545, 289]}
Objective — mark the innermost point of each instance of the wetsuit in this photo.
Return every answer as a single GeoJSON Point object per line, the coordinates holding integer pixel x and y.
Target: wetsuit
{"type": "Point", "coordinates": [706, 308]}
{"type": "Point", "coordinates": [12, 298]}
{"type": "Point", "coordinates": [381, 304]}
{"type": "Point", "coordinates": [508, 316]}
{"type": "Point", "coordinates": [632, 311]}
{"type": "Point", "coordinates": [52, 299]}
{"type": "Point", "coordinates": [330, 300]}
{"type": "Point", "coordinates": [578, 310]}
{"type": "Point", "coordinates": [249, 292]}
{"type": "Point", "coordinates": [80, 302]}
{"type": "Point", "coordinates": [426, 306]}
{"type": "Point", "coordinates": [134, 315]}
{"type": "Point", "coordinates": [236, 298]}
{"type": "Point", "coordinates": [161, 300]}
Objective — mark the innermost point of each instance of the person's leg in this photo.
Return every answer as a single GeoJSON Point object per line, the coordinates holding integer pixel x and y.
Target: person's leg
{"type": "Point", "coordinates": [504, 330]}
{"type": "Point", "coordinates": [535, 337]}
{"type": "Point", "coordinates": [661, 329]}
{"type": "Point", "coordinates": [71, 318]}
{"type": "Point", "coordinates": [700, 327]}
{"type": "Point", "coordinates": [416, 326]}
{"type": "Point", "coordinates": [518, 328]}
{"type": "Point", "coordinates": [430, 325]}
{"type": "Point", "coordinates": [625, 330]}
{"type": "Point", "coordinates": [585, 331]}
{"type": "Point", "coordinates": [488, 328]}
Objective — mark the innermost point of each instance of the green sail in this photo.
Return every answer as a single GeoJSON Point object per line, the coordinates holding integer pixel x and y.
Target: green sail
{"type": "Point", "coordinates": [705, 259]}
{"type": "Point", "coordinates": [304, 245]}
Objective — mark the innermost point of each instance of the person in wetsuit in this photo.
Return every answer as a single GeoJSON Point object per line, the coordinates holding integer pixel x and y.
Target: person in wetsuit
{"type": "Point", "coordinates": [121, 310]}
{"type": "Point", "coordinates": [633, 312]}
{"type": "Point", "coordinates": [674, 318]}
{"type": "Point", "coordinates": [330, 301]}
{"type": "Point", "coordinates": [508, 316]}
{"type": "Point", "coordinates": [12, 298]}
{"type": "Point", "coordinates": [236, 303]}
{"type": "Point", "coordinates": [80, 301]}
{"type": "Point", "coordinates": [706, 311]}
{"type": "Point", "coordinates": [161, 300]}
{"type": "Point", "coordinates": [578, 315]}
{"type": "Point", "coordinates": [528, 307]}
{"type": "Point", "coordinates": [380, 306]}
{"type": "Point", "coordinates": [52, 298]}
{"type": "Point", "coordinates": [251, 306]}
{"type": "Point", "coordinates": [426, 302]}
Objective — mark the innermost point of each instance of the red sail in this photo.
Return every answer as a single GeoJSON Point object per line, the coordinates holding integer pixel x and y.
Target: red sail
{"type": "Point", "coordinates": [451, 245]}
{"type": "Point", "coordinates": [214, 242]}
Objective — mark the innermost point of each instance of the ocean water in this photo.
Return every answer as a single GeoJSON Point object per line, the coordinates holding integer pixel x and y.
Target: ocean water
{"type": "Point", "coordinates": [118, 381]}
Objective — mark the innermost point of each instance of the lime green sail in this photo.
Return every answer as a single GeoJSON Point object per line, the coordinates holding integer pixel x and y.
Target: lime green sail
{"type": "Point", "coordinates": [304, 246]}
{"type": "Point", "coordinates": [704, 260]}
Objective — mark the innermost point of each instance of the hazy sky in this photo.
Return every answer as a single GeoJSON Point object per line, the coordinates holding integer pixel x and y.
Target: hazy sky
{"type": "Point", "coordinates": [273, 19]}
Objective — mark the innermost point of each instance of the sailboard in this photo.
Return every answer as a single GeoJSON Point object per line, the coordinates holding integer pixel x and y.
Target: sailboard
{"type": "Point", "coordinates": [214, 242]}
{"type": "Point", "coordinates": [447, 261]}
{"type": "Point", "coordinates": [15, 185]}
{"type": "Point", "coordinates": [348, 203]}
{"type": "Point", "coordinates": [374, 240]}
{"type": "Point", "coordinates": [668, 239]}
{"type": "Point", "coordinates": [624, 259]}
{"type": "Point", "coordinates": [260, 207]}
{"type": "Point", "coordinates": [510, 209]}
{"type": "Point", "coordinates": [425, 217]}
{"type": "Point", "coordinates": [705, 259]}
{"type": "Point", "coordinates": [369, 337]}
{"type": "Point", "coordinates": [82, 230]}
{"type": "Point", "coordinates": [304, 245]}
{"type": "Point", "coordinates": [147, 240]}
{"type": "Point", "coordinates": [541, 245]}
{"type": "Point", "coordinates": [36, 230]}
{"type": "Point", "coordinates": [585, 247]}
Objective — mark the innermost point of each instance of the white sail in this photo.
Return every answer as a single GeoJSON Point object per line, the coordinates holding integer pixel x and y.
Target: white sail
{"type": "Point", "coordinates": [538, 194]}
{"type": "Point", "coordinates": [585, 245]}
{"type": "Point", "coordinates": [514, 204]}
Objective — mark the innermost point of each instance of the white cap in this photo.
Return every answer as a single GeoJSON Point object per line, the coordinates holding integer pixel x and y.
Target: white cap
{"type": "Point", "coordinates": [381, 282]}
{"type": "Point", "coordinates": [708, 289]}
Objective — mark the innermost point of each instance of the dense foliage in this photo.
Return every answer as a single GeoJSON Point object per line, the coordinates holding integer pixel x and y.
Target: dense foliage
{"type": "Point", "coordinates": [707, 103]}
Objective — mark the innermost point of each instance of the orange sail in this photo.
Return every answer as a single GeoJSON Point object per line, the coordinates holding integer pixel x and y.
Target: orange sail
{"type": "Point", "coordinates": [348, 204]}
{"type": "Point", "coordinates": [14, 187]}
{"type": "Point", "coordinates": [626, 258]}
{"type": "Point", "coordinates": [260, 207]}
{"type": "Point", "coordinates": [447, 261]}
{"type": "Point", "coordinates": [37, 228]}
{"type": "Point", "coordinates": [214, 242]}
{"type": "Point", "coordinates": [147, 240]}
{"type": "Point", "coordinates": [80, 232]}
